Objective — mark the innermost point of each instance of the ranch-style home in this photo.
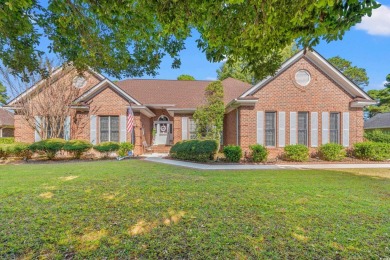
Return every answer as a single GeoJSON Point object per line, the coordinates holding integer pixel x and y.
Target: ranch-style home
{"type": "Point", "coordinates": [307, 101]}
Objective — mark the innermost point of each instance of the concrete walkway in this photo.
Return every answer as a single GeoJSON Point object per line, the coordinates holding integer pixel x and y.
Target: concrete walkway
{"type": "Point", "coordinates": [201, 166]}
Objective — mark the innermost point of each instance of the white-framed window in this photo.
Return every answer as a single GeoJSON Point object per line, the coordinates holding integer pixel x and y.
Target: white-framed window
{"type": "Point", "coordinates": [270, 128]}
{"type": "Point", "coordinates": [109, 128]}
{"type": "Point", "coordinates": [191, 129]}
{"type": "Point", "coordinates": [303, 125]}
{"type": "Point", "coordinates": [334, 128]}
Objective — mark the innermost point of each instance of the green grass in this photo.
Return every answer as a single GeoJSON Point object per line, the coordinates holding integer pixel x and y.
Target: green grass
{"type": "Point", "coordinates": [136, 209]}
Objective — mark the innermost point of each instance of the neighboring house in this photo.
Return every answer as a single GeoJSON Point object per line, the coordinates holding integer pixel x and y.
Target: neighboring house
{"type": "Point", "coordinates": [6, 123]}
{"type": "Point", "coordinates": [307, 101]}
{"type": "Point", "coordinates": [378, 122]}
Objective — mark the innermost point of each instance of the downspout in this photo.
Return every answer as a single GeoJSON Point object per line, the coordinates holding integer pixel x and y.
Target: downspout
{"type": "Point", "coordinates": [237, 128]}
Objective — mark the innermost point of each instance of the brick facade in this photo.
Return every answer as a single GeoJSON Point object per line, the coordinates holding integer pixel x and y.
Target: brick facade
{"type": "Point", "coordinates": [281, 94]}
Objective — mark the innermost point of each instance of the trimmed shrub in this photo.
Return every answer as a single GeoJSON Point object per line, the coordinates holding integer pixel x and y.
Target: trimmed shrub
{"type": "Point", "coordinates": [7, 140]}
{"type": "Point", "coordinates": [77, 147]}
{"type": "Point", "coordinates": [331, 152]}
{"type": "Point", "coordinates": [377, 136]}
{"type": "Point", "coordinates": [232, 153]}
{"type": "Point", "coordinates": [372, 151]}
{"type": "Point", "coordinates": [194, 150]}
{"type": "Point", "coordinates": [296, 152]}
{"type": "Point", "coordinates": [20, 150]}
{"type": "Point", "coordinates": [107, 147]}
{"type": "Point", "coordinates": [49, 146]}
{"type": "Point", "coordinates": [125, 148]}
{"type": "Point", "coordinates": [4, 151]}
{"type": "Point", "coordinates": [259, 153]}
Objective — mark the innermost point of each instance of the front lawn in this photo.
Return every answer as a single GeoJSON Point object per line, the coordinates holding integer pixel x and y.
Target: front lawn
{"type": "Point", "coordinates": [138, 209]}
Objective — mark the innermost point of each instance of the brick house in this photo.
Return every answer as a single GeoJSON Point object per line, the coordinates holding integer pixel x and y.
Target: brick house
{"type": "Point", "coordinates": [6, 123]}
{"type": "Point", "coordinates": [307, 101]}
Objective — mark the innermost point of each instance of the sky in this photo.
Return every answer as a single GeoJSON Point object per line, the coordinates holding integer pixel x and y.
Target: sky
{"type": "Point", "coordinates": [366, 45]}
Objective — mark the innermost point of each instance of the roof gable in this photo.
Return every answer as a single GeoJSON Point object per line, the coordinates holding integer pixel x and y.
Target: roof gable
{"type": "Point", "coordinates": [99, 87]}
{"type": "Point", "coordinates": [327, 68]}
{"type": "Point", "coordinates": [56, 73]}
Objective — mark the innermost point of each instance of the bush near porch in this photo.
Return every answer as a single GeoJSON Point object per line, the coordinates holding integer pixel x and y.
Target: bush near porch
{"type": "Point", "coordinates": [194, 150]}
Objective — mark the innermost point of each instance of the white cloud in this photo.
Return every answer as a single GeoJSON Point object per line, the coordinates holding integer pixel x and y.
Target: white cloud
{"type": "Point", "coordinates": [378, 23]}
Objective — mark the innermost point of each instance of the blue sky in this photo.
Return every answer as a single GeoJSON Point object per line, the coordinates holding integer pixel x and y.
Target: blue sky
{"type": "Point", "coordinates": [367, 45]}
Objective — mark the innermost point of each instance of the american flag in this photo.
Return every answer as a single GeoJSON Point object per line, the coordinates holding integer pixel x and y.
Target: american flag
{"type": "Point", "coordinates": [130, 120]}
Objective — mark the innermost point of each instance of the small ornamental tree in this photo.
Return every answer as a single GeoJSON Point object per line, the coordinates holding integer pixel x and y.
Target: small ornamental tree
{"type": "Point", "coordinates": [209, 117]}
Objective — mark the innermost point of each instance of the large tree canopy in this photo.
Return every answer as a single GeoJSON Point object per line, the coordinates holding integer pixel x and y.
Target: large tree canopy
{"type": "Point", "coordinates": [239, 69]}
{"type": "Point", "coordinates": [356, 74]}
{"type": "Point", "coordinates": [130, 37]}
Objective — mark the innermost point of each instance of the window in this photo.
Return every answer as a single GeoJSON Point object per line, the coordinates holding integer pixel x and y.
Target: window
{"type": "Point", "coordinates": [270, 127]}
{"type": "Point", "coordinates": [192, 129]}
{"type": "Point", "coordinates": [109, 129]}
{"type": "Point", "coordinates": [302, 77]}
{"type": "Point", "coordinates": [303, 128]}
{"type": "Point", "coordinates": [334, 128]}
{"type": "Point", "coordinates": [53, 127]}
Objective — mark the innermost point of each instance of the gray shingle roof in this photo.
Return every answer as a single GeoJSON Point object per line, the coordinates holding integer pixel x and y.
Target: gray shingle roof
{"type": "Point", "coordinates": [378, 121]}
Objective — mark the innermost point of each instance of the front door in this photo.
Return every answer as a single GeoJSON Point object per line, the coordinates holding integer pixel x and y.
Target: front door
{"type": "Point", "coordinates": [163, 132]}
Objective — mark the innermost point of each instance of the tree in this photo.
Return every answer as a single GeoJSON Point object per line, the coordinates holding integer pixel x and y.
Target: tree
{"type": "Point", "coordinates": [240, 69]}
{"type": "Point", "coordinates": [382, 96]}
{"type": "Point", "coordinates": [356, 74]}
{"type": "Point", "coordinates": [3, 94]}
{"type": "Point", "coordinates": [185, 77]}
{"type": "Point", "coordinates": [209, 117]}
{"type": "Point", "coordinates": [130, 38]}
{"type": "Point", "coordinates": [46, 107]}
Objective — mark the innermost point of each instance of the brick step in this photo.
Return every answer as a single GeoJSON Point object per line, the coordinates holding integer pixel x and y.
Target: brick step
{"type": "Point", "coordinates": [160, 149]}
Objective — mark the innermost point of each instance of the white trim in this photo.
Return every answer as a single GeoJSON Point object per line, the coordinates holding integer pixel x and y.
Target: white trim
{"type": "Point", "coordinates": [237, 127]}
{"type": "Point", "coordinates": [235, 103]}
{"type": "Point", "coordinates": [260, 127]}
{"type": "Point", "coordinates": [101, 84]}
{"type": "Point", "coordinates": [319, 59]}
{"type": "Point", "coordinates": [345, 129]}
{"type": "Point", "coordinates": [281, 129]}
{"type": "Point", "coordinates": [363, 103]}
{"type": "Point", "coordinates": [55, 72]}
{"type": "Point", "coordinates": [314, 129]}
{"type": "Point", "coordinates": [184, 128]}
{"type": "Point", "coordinates": [325, 127]}
{"type": "Point", "coordinates": [285, 65]}
{"type": "Point", "coordinates": [293, 127]}
{"type": "Point", "coordinates": [143, 110]}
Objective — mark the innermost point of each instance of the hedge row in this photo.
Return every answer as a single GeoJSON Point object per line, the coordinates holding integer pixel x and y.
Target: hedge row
{"type": "Point", "coordinates": [377, 136]}
{"type": "Point", "coordinates": [7, 140]}
{"type": "Point", "coordinates": [195, 150]}
{"type": "Point", "coordinates": [51, 147]}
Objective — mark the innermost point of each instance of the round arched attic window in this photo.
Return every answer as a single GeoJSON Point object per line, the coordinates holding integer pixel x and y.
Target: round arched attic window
{"type": "Point", "coordinates": [302, 77]}
{"type": "Point", "coordinates": [79, 81]}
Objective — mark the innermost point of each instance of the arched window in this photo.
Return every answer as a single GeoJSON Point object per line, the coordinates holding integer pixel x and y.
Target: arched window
{"type": "Point", "coordinates": [163, 118]}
